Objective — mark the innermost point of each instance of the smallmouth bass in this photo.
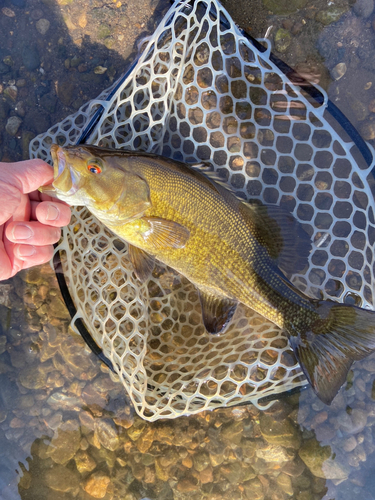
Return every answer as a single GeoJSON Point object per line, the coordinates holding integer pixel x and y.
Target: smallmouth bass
{"type": "Point", "coordinates": [231, 250]}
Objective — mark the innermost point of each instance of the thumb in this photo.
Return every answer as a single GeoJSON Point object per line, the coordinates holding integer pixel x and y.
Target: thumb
{"type": "Point", "coordinates": [27, 175]}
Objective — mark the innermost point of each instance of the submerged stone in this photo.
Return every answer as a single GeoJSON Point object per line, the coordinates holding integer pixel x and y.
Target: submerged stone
{"type": "Point", "coordinates": [283, 433]}
{"type": "Point", "coordinates": [320, 461]}
{"type": "Point", "coordinates": [65, 443]}
{"type": "Point", "coordinates": [96, 485]}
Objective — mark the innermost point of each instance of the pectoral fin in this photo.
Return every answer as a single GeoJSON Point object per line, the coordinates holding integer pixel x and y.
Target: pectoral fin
{"type": "Point", "coordinates": [163, 233]}
{"type": "Point", "coordinates": [143, 263]}
{"type": "Point", "coordinates": [216, 311]}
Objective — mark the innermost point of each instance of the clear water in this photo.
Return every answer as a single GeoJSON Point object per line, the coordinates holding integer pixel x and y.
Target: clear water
{"type": "Point", "coordinates": [66, 430]}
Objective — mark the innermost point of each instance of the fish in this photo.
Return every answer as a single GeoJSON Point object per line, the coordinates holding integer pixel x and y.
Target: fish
{"type": "Point", "coordinates": [233, 251]}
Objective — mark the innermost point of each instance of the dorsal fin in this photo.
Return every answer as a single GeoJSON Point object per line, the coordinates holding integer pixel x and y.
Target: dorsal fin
{"type": "Point", "coordinates": [283, 236]}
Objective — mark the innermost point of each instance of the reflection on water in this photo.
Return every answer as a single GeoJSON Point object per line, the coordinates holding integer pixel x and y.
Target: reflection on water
{"type": "Point", "coordinates": [66, 429]}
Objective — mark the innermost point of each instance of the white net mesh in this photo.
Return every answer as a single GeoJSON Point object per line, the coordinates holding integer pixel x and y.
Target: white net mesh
{"type": "Point", "coordinates": [202, 91]}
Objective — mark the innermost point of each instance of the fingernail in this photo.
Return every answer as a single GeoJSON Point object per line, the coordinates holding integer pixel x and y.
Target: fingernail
{"type": "Point", "coordinates": [52, 212]}
{"type": "Point", "coordinates": [22, 232]}
{"type": "Point", "coordinates": [26, 251]}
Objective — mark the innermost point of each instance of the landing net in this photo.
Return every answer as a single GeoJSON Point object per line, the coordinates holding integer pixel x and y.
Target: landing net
{"type": "Point", "coordinates": [202, 90]}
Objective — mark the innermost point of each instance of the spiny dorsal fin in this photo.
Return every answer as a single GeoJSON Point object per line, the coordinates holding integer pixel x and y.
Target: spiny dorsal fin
{"type": "Point", "coordinates": [216, 311]}
{"type": "Point", "coordinates": [163, 233]}
{"type": "Point", "coordinates": [143, 263]}
{"type": "Point", "coordinates": [277, 230]}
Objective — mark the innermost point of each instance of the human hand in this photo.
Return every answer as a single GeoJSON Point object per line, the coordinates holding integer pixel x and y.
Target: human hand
{"type": "Point", "coordinates": [30, 222]}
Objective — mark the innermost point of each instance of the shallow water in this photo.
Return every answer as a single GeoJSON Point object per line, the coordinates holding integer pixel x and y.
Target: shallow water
{"type": "Point", "coordinates": [66, 429]}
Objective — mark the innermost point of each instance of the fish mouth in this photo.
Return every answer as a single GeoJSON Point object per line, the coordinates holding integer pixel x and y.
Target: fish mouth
{"type": "Point", "coordinates": [66, 179]}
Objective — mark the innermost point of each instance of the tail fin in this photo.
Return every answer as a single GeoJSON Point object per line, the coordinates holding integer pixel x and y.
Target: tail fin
{"type": "Point", "coordinates": [326, 350]}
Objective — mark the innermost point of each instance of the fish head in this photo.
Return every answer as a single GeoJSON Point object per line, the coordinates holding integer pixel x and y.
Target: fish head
{"type": "Point", "coordinates": [99, 179]}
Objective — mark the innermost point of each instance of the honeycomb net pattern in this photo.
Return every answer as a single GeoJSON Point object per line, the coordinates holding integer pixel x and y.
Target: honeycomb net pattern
{"type": "Point", "coordinates": [201, 91]}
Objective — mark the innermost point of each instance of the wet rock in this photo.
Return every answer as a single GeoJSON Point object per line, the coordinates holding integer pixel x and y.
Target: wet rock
{"type": "Point", "coordinates": [284, 7]}
{"type": "Point", "coordinates": [201, 460]}
{"type": "Point", "coordinates": [254, 489]}
{"type": "Point", "coordinates": [283, 433]}
{"type": "Point", "coordinates": [32, 378]}
{"type": "Point", "coordinates": [285, 483]}
{"type": "Point", "coordinates": [146, 439]}
{"type": "Point", "coordinates": [96, 485]}
{"type": "Point", "coordinates": [367, 130]}
{"type": "Point", "coordinates": [363, 8]}
{"type": "Point", "coordinates": [330, 15]}
{"type": "Point", "coordinates": [13, 124]}
{"type": "Point", "coordinates": [283, 39]}
{"type": "Point", "coordinates": [61, 400]}
{"type": "Point", "coordinates": [84, 462]}
{"type": "Point", "coordinates": [59, 478]}
{"type": "Point", "coordinates": [4, 108]}
{"type": "Point", "coordinates": [273, 453]}
{"type": "Point", "coordinates": [338, 71]}
{"type": "Point", "coordinates": [107, 434]}
{"type": "Point", "coordinates": [66, 91]}
{"type": "Point", "coordinates": [43, 26]}
{"type": "Point", "coordinates": [30, 57]}
{"type": "Point", "coordinates": [65, 443]}
{"type": "Point", "coordinates": [188, 485]}
{"type": "Point", "coordinates": [136, 430]}
{"type": "Point", "coordinates": [320, 461]}
{"type": "Point", "coordinates": [232, 431]}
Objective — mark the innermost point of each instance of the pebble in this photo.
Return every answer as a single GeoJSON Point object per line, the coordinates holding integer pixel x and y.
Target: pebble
{"type": "Point", "coordinates": [283, 39]}
{"type": "Point", "coordinates": [59, 478]}
{"type": "Point", "coordinates": [96, 485]}
{"type": "Point", "coordinates": [107, 434]}
{"type": "Point", "coordinates": [43, 26]}
{"type": "Point", "coordinates": [8, 12]}
{"type": "Point", "coordinates": [338, 71]}
{"type": "Point", "coordinates": [330, 15]}
{"type": "Point", "coordinates": [284, 7]}
{"type": "Point", "coordinates": [11, 92]}
{"type": "Point", "coordinates": [367, 130]}
{"type": "Point", "coordinates": [65, 443]}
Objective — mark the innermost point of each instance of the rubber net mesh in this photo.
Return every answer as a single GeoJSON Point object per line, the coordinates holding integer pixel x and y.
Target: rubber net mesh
{"type": "Point", "coordinates": [201, 91]}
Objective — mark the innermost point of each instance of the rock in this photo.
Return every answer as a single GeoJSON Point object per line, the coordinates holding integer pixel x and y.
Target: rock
{"type": "Point", "coordinates": [8, 12]}
{"type": "Point", "coordinates": [66, 92]}
{"type": "Point", "coordinates": [367, 130]}
{"type": "Point", "coordinates": [352, 423]}
{"type": "Point", "coordinates": [273, 453]}
{"type": "Point", "coordinates": [43, 26]}
{"type": "Point", "coordinates": [338, 71]}
{"type": "Point", "coordinates": [82, 20]}
{"type": "Point", "coordinates": [320, 461]}
{"type": "Point", "coordinates": [59, 478]}
{"type": "Point", "coordinates": [188, 485]}
{"type": "Point", "coordinates": [285, 483]}
{"type": "Point", "coordinates": [107, 434]}
{"type": "Point", "coordinates": [283, 7]}
{"type": "Point", "coordinates": [232, 472]}
{"type": "Point", "coordinates": [32, 378]}
{"type": "Point", "coordinates": [201, 460]}
{"type": "Point", "coordinates": [100, 70]}
{"type": "Point", "coordinates": [146, 439]}
{"type": "Point", "coordinates": [254, 489]}
{"type": "Point", "coordinates": [84, 462]}
{"type": "Point", "coordinates": [283, 39]}
{"type": "Point", "coordinates": [363, 8]}
{"type": "Point", "coordinates": [283, 433]}
{"type": "Point", "coordinates": [96, 485]}
{"type": "Point", "coordinates": [13, 124]}
{"type": "Point", "coordinates": [30, 57]}
{"type": "Point", "coordinates": [60, 400]}
{"type": "Point", "coordinates": [65, 443]}
{"type": "Point", "coordinates": [103, 31]}
{"type": "Point", "coordinates": [330, 15]}
{"type": "Point", "coordinates": [8, 60]}
{"type": "Point", "coordinates": [232, 431]}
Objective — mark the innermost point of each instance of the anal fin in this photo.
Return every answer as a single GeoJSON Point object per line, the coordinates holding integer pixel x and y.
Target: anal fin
{"type": "Point", "coordinates": [216, 311]}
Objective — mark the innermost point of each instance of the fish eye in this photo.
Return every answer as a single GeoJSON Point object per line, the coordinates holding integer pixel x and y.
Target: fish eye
{"type": "Point", "coordinates": [94, 169]}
